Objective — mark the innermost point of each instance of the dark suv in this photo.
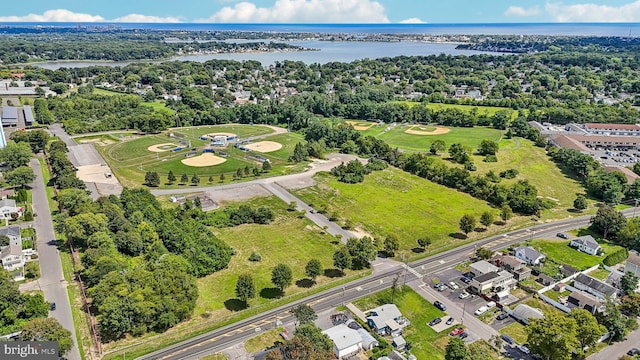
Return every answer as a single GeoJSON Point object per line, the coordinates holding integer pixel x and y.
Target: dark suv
{"type": "Point", "coordinates": [435, 321]}
{"type": "Point", "coordinates": [440, 305]}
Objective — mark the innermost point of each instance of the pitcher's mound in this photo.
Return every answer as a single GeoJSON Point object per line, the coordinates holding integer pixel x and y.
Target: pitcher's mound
{"type": "Point", "coordinates": [161, 147]}
{"type": "Point", "coordinates": [264, 146]}
{"type": "Point", "coordinates": [206, 159]}
{"type": "Point", "coordinates": [437, 131]}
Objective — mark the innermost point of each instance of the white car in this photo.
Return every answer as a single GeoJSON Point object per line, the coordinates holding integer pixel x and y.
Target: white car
{"type": "Point", "coordinates": [491, 304]}
{"type": "Point", "coordinates": [524, 349]}
{"type": "Point", "coordinates": [453, 286]}
{"type": "Point", "coordinates": [483, 309]}
{"type": "Point", "coordinates": [463, 295]}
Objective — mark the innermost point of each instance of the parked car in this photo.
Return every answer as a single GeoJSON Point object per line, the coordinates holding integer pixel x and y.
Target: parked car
{"type": "Point", "coordinates": [508, 339]}
{"type": "Point", "coordinates": [502, 316]}
{"type": "Point", "coordinates": [440, 305]}
{"type": "Point", "coordinates": [463, 335]}
{"type": "Point", "coordinates": [435, 321]}
{"type": "Point", "coordinates": [453, 286]}
{"type": "Point", "coordinates": [491, 304]}
{"type": "Point", "coordinates": [464, 295]}
{"type": "Point", "coordinates": [562, 235]}
{"type": "Point", "coordinates": [52, 306]}
{"type": "Point", "coordinates": [442, 287]}
{"type": "Point", "coordinates": [524, 349]}
{"type": "Point", "coordinates": [456, 331]}
{"type": "Point", "coordinates": [449, 321]}
{"type": "Point", "coordinates": [483, 309]}
{"type": "Point", "coordinates": [465, 280]}
{"type": "Point", "coordinates": [633, 351]}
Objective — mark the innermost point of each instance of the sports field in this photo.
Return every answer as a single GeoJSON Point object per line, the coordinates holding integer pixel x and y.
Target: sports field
{"type": "Point", "coordinates": [132, 157]}
{"type": "Point", "coordinates": [489, 110]}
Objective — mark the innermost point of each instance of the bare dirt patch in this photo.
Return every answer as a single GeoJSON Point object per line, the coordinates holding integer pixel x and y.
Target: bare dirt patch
{"type": "Point", "coordinates": [437, 131]}
{"type": "Point", "coordinates": [161, 147]}
{"type": "Point", "coordinates": [206, 159]}
{"type": "Point", "coordinates": [101, 142]}
{"type": "Point", "coordinates": [358, 126]}
{"type": "Point", "coordinates": [96, 174]}
{"type": "Point", "coordinates": [264, 146]}
{"type": "Point", "coordinates": [221, 134]}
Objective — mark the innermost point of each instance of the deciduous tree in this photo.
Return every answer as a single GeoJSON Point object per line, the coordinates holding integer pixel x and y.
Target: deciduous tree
{"type": "Point", "coordinates": [589, 331]}
{"type": "Point", "coordinates": [608, 221]}
{"type": "Point", "coordinates": [629, 283]}
{"type": "Point", "coordinates": [342, 259]}
{"type": "Point", "coordinates": [391, 244]}
{"type": "Point", "coordinates": [313, 269]}
{"type": "Point", "coordinates": [47, 329]}
{"type": "Point", "coordinates": [467, 223]}
{"type": "Point", "coordinates": [543, 339]}
{"type": "Point", "coordinates": [487, 218]}
{"type": "Point", "coordinates": [281, 276]}
{"type": "Point", "coordinates": [580, 203]}
{"type": "Point", "coordinates": [245, 287]}
{"type": "Point", "coordinates": [21, 176]}
{"type": "Point", "coordinates": [304, 314]}
{"type": "Point", "coordinates": [171, 178]}
{"type": "Point", "coordinates": [455, 350]}
{"type": "Point", "coordinates": [423, 242]}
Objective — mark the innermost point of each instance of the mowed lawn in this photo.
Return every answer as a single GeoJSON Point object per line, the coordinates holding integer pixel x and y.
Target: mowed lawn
{"type": "Point", "coordinates": [395, 202]}
{"type": "Point", "coordinates": [560, 252]}
{"type": "Point", "coordinates": [397, 137]}
{"type": "Point", "coordinates": [426, 343]}
{"type": "Point", "coordinates": [288, 240]}
{"type": "Point", "coordinates": [534, 165]}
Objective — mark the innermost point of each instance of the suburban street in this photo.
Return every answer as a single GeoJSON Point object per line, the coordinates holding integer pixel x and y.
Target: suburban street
{"type": "Point", "coordinates": [617, 350]}
{"type": "Point", "coordinates": [51, 280]}
{"type": "Point", "coordinates": [225, 337]}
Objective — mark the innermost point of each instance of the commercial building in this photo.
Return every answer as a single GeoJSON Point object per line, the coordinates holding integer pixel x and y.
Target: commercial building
{"type": "Point", "coordinates": [9, 116]}
{"type": "Point", "coordinates": [28, 115]}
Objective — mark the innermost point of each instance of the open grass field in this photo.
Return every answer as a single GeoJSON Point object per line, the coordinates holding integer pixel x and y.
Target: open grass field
{"type": "Point", "coordinates": [516, 331]}
{"type": "Point", "coordinates": [560, 252]}
{"type": "Point", "coordinates": [489, 110]}
{"type": "Point", "coordinates": [160, 107]}
{"type": "Point", "coordinates": [426, 343]}
{"type": "Point", "coordinates": [395, 202]}
{"type": "Point", "coordinates": [288, 240]}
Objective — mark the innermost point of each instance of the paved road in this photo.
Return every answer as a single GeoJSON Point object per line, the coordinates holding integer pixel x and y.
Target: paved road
{"type": "Point", "coordinates": [51, 280]}
{"type": "Point", "coordinates": [617, 350]}
{"type": "Point", "coordinates": [220, 339]}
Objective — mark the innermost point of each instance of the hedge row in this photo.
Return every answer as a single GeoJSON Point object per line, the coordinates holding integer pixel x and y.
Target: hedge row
{"type": "Point", "coordinates": [616, 257]}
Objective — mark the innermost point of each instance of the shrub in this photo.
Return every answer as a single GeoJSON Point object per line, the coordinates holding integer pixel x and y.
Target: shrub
{"type": "Point", "coordinates": [490, 158]}
{"type": "Point", "coordinates": [616, 257]}
{"type": "Point", "coordinates": [255, 257]}
{"type": "Point", "coordinates": [509, 174]}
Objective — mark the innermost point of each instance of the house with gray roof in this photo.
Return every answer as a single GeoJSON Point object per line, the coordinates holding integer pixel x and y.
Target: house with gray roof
{"type": "Point", "coordinates": [582, 300]}
{"type": "Point", "coordinates": [524, 313]}
{"type": "Point", "coordinates": [594, 286]}
{"type": "Point", "coordinates": [633, 263]}
{"type": "Point", "coordinates": [387, 319]}
{"type": "Point", "coordinates": [13, 261]}
{"type": "Point", "coordinates": [529, 255]}
{"type": "Point", "coordinates": [13, 233]}
{"type": "Point", "coordinates": [482, 267]}
{"type": "Point", "coordinates": [586, 244]}
{"type": "Point", "coordinates": [7, 207]}
{"type": "Point", "coordinates": [346, 341]}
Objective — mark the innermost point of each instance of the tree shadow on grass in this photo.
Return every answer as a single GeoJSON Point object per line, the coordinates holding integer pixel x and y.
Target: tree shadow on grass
{"type": "Point", "coordinates": [333, 273]}
{"type": "Point", "coordinates": [235, 305]}
{"type": "Point", "coordinates": [304, 283]}
{"type": "Point", "coordinates": [418, 250]}
{"type": "Point", "coordinates": [458, 235]}
{"type": "Point", "coordinates": [480, 229]}
{"type": "Point", "coordinates": [335, 242]}
{"type": "Point", "coordinates": [270, 293]}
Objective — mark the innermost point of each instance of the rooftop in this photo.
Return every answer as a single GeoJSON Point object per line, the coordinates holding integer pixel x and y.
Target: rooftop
{"type": "Point", "coordinates": [634, 258]}
{"type": "Point", "coordinates": [484, 267]}
{"type": "Point", "coordinates": [486, 277]}
{"type": "Point", "coordinates": [343, 336]}
{"type": "Point", "coordinates": [613, 126]}
{"type": "Point", "coordinates": [587, 241]}
{"type": "Point", "coordinates": [9, 112]}
{"type": "Point", "coordinates": [596, 284]}
{"type": "Point", "coordinates": [585, 299]}
{"type": "Point", "coordinates": [382, 314]}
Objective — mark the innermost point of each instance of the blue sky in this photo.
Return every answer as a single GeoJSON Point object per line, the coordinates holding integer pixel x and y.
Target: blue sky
{"type": "Point", "coordinates": [322, 11]}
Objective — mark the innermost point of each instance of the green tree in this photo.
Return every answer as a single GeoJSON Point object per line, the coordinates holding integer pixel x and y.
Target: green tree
{"type": "Point", "coordinates": [239, 172]}
{"type": "Point", "coordinates": [47, 329]}
{"type": "Point", "coordinates": [247, 170]}
{"type": "Point", "coordinates": [342, 259]}
{"type": "Point", "coordinates": [171, 178]}
{"type": "Point", "coordinates": [266, 166]}
{"type": "Point", "coordinates": [437, 146]}
{"type": "Point", "coordinates": [629, 283]}
{"type": "Point", "coordinates": [183, 179]}
{"type": "Point", "coordinates": [320, 342]}
{"type": "Point", "coordinates": [487, 218]}
{"type": "Point", "coordinates": [614, 321]}
{"type": "Point", "coordinates": [608, 221]}
{"type": "Point", "coordinates": [391, 244]}
{"type": "Point", "coordinates": [631, 305]}
{"type": "Point", "coordinates": [362, 251]}
{"type": "Point", "coordinates": [455, 350]}
{"type": "Point", "coordinates": [281, 276]}
{"type": "Point", "coordinates": [152, 179]}
{"type": "Point", "coordinates": [195, 180]}
{"type": "Point", "coordinates": [20, 176]}
{"type": "Point", "coordinates": [15, 155]}
{"type": "Point", "coordinates": [75, 201]}
{"type": "Point", "coordinates": [4, 240]}
{"type": "Point", "coordinates": [506, 213]}
{"type": "Point", "coordinates": [488, 147]}
{"type": "Point", "coordinates": [467, 223]}
{"type": "Point", "coordinates": [580, 203]}
{"type": "Point", "coordinates": [210, 179]}
{"type": "Point", "coordinates": [222, 177]}
{"type": "Point", "coordinates": [304, 314]}
{"type": "Point", "coordinates": [543, 339]}
{"type": "Point", "coordinates": [484, 253]}
{"type": "Point", "coordinates": [423, 242]}
{"type": "Point", "coordinates": [589, 331]}
{"type": "Point", "coordinates": [245, 287]}
{"type": "Point", "coordinates": [313, 269]}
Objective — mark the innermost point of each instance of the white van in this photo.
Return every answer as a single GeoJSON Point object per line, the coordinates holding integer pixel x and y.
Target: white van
{"type": "Point", "coordinates": [491, 304]}
{"type": "Point", "coordinates": [483, 309]}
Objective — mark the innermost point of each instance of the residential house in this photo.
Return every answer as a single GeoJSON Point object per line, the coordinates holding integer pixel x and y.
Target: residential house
{"type": "Point", "coordinates": [633, 263]}
{"type": "Point", "coordinates": [545, 279]}
{"type": "Point", "coordinates": [7, 207]}
{"type": "Point", "coordinates": [594, 286]}
{"type": "Point", "coordinates": [346, 341]}
{"type": "Point", "coordinates": [13, 233]}
{"type": "Point", "coordinates": [529, 255]}
{"type": "Point", "coordinates": [13, 261]}
{"type": "Point", "coordinates": [567, 270]}
{"type": "Point", "coordinates": [583, 300]}
{"type": "Point", "coordinates": [493, 282]}
{"type": "Point", "coordinates": [560, 287]}
{"type": "Point", "coordinates": [387, 319]}
{"type": "Point", "coordinates": [514, 265]}
{"type": "Point", "coordinates": [586, 244]}
{"type": "Point", "coordinates": [524, 312]}
{"type": "Point", "coordinates": [482, 267]}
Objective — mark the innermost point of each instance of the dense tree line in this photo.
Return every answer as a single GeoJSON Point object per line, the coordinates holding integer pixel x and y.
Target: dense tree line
{"type": "Point", "coordinates": [63, 173]}
{"type": "Point", "coordinates": [243, 214]}
{"type": "Point", "coordinates": [17, 309]}
{"type": "Point", "coordinates": [149, 255]}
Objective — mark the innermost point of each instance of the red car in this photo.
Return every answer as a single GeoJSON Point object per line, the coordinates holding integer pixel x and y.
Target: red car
{"type": "Point", "coordinates": [456, 331]}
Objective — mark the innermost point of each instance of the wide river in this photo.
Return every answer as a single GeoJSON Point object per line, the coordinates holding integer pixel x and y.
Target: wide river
{"type": "Point", "coordinates": [341, 51]}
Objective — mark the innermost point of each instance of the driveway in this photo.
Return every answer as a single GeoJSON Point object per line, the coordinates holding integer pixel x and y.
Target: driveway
{"type": "Point", "coordinates": [51, 281]}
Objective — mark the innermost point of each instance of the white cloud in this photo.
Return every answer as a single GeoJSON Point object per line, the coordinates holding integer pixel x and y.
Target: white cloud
{"type": "Point", "coordinates": [303, 11]}
{"type": "Point", "coordinates": [138, 18]}
{"type": "Point", "coordinates": [590, 12]}
{"type": "Point", "coordinates": [520, 11]}
{"type": "Point", "coordinates": [57, 15]}
{"type": "Point", "coordinates": [63, 15]}
{"type": "Point", "coordinates": [413, 20]}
